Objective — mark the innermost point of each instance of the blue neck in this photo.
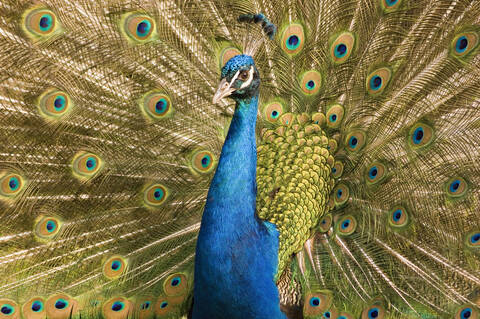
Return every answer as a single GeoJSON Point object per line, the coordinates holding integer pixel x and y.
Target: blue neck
{"type": "Point", "coordinates": [236, 172]}
{"type": "Point", "coordinates": [236, 256]}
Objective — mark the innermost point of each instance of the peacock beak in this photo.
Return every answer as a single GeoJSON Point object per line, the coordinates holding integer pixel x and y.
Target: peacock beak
{"type": "Point", "coordinates": [223, 90]}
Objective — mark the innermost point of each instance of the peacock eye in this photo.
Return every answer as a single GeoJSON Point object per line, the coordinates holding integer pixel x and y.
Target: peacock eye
{"type": "Point", "coordinates": [243, 75]}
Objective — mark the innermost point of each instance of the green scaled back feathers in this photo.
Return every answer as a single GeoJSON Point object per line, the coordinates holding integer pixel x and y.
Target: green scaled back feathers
{"type": "Point", "coordinates": [368, 139]}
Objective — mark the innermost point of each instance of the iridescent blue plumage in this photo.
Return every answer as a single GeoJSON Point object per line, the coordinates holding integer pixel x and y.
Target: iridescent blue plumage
{"type": "Point", "coordinates": [236, 255]}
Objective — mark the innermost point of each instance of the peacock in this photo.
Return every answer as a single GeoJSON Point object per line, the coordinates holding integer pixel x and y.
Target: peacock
{"type": "Point", "coordinates": [239, 159]}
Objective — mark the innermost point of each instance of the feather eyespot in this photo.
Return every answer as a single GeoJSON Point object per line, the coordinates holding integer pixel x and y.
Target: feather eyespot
{"type": "Point", "coordinates": [175, 285]}
{"type": "Point", "coordinates": [378, 80]}
{"type": "Point", "coordinates": [293, 39]}
{"type": "Point", "coordinates": [11, 185]}
{"type": "Point", "coordinates": [116, 308]}
{"type": "Point", "coordinates": [292, 42]}
{"type": "Point", "coordinates": [203, 161]}
{"type": "Point", "coordinates": [346, 225]}
{"type": "Point", "coordinates": [390, 5]}
{"type": "Point", "coordinates": [175, 281]}
{"type": "Point", "coordinates": [8, 308]}
{"type": "Point", "coordinates": [144, 28]}
{"type": "Point", "coordinates": [355, 141]}
{"type": "Point", "coordinates": [310, 85]}
{"type": "Point", "coordinates": [456, 187]}
{"type": "Point", "coordinates": [155, 195]}
{"type": "Point", "coordinates": [464, 43]}
{"type": "Point", "coordinates": [47, 227]}
{"type": "Point", "coordinates": [316, 303]}
{"type": "Point", "coordinates": [325, 223]}
{"type": "Point", "coordinates": [156, 105]}
{"type": "Point", "coordinates": [86, 165]}
{"type": "Point", "coordinates": [46, 23]}
{"type": "Point", "coordinates": [61, 303]}
{"type": "Point", "coordinates": [341, 194]}
{"type": "Point", "coordinates": [473, 240]}
{"type": "Point", "coordinates": [375, 173]}
{"type": "Point", "coordinates": [273, 111]}
{"type": "Point", "coordinates": [138, 28]}
{"type": "Point", "coordinates": [466, 312]}
{"type": "Point", "coordinates": [337, 169]}
{"type": "Point", "coordinates": [40, 23]}
{"type": "Point", "coordinates": [342, 47]}
{"type": "Point", "coordinates": [60, 306]}
{"type": "Point", "coordinates": [391, 2]}
{"type": "Point", "coordinates": [311, 82]}
{"type": "Point", "coordinates": [34, 308]}
{"type": "Point", "coordinates": [145, 307]}
{"type": "Point", "coordinates": [114, 267]}
{"type": "Point", "coordinates": [54, 104]}
{"type": "Point", "coordinates": [335, 116]}
{"type": "Point", "coordinates": [163, 307]}
{"type": "Point", "coordinates": [398, 217]}
{"type": "Point", "coordinates": [352, 142]}
{"type": "Point", "coordinates": [340, 50]}
{"type": "Point", "coordinates": [420, 135]}
{"type": "Point", "coordinates": [37, 306]}
{"type": "Point", "coordinates": [373, 312]}
{"type": "Point", "coordinates": [161, 106]}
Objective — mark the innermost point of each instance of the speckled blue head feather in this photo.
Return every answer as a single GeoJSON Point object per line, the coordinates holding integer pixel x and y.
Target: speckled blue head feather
{"type": "Point", "coordinates": [236, 63]}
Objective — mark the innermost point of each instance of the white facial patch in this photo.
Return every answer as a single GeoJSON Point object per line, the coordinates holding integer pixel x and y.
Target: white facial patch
{"type": "Point", "coordinates": [249, 80]}
{"type": "Point", "coordinates": [246, 83]}
{"type": "Point", "coordinates": [234, 78]}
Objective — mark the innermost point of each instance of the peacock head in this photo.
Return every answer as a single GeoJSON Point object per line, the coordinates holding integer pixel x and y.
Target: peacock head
{"type": "Point", "coordinates": [240, 79]}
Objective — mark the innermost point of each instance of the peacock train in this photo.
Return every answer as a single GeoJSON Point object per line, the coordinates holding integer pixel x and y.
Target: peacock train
{"type": "Point", "coordinates": [239, 159]}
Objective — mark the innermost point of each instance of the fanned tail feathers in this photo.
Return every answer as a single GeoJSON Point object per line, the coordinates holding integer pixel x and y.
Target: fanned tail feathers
{"type": "Point", "coordinates": [110, 138]}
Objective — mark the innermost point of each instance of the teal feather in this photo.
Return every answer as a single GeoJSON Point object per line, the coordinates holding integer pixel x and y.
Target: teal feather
{"type": "Point", "coordinates": [367, 142]}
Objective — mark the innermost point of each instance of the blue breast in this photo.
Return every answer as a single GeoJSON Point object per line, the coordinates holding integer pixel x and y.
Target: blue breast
{"type": "Point", "coordinates": [237, 254]}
